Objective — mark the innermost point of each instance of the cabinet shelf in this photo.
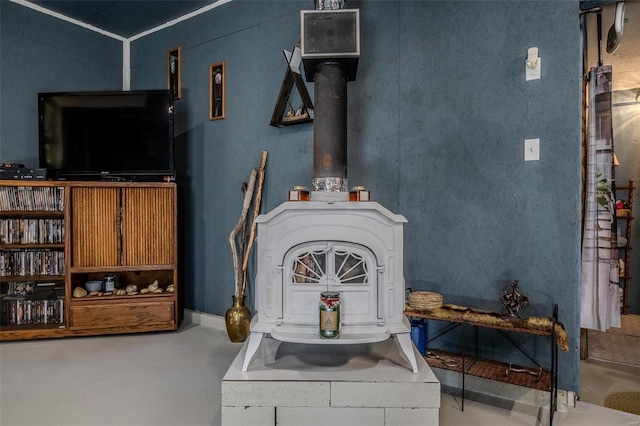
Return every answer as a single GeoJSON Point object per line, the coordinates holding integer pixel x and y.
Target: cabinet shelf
{"type": "Point", "coordinates": [130, 268]}
{"type": "Point", "coordinates": [492, 370]}
{"type": "Point", "coordinates": [32, 327]}
{"type": "Point", "coordinates": [106, 299]}
{"type": "Point", "coordinates": [36, 278]}
{"type": "Point", "coordinates": [31, 214]}
{"type": "Point", "coordinates": [41, 246]}
{"type": "Point", "coordinates": [32, 331]}
{"type": "Point", "coordinates": [624, 220]}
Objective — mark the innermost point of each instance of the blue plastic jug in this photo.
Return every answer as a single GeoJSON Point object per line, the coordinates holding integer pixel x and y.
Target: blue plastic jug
{"type": "Point", "coordinates": [419, 335]}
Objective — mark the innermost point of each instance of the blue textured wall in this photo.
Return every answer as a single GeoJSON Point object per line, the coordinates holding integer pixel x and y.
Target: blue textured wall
{"type": "Point", "coordinates": [44, 54]}
{"type": "Point", "coordinates": [437, 119]}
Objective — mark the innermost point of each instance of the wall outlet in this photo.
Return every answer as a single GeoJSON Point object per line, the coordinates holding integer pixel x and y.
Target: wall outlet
{"type": "Point", "coordinates": [532, 70]}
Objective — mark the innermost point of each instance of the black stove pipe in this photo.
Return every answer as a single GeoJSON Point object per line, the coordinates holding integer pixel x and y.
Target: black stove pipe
{"type": "Point", "coordinates": [330, 127]}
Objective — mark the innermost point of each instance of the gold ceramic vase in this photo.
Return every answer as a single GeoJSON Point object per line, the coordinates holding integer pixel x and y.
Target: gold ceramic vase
{"type": "Point", "coordinates": [238, 320]}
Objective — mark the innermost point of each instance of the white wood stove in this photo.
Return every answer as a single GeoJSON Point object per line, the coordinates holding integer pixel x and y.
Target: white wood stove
{"type": "Point", "coordinates": [305, 248]}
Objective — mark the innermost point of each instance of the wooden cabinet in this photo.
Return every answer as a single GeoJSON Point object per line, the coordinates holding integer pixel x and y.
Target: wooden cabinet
{"type": "Point", "coordinates": [128, 230]}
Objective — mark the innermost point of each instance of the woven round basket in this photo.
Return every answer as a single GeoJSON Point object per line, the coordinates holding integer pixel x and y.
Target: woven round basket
{"type": "Point", "coordinates": [624, 401]}
{"type": "Point", "coordinates": [425, 300]}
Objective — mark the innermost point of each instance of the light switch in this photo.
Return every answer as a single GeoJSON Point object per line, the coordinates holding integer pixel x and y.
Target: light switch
{"type": "Point", "coordinates": [531, 149]}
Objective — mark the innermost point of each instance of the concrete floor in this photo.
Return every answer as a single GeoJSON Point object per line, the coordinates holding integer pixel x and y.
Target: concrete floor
{"type": "Point", "coordinates": [599, 379]}
{"type": "Point", "coordinates": [174, 379]}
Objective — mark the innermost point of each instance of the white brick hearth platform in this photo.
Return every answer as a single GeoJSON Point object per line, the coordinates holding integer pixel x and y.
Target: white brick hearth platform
{"type": "Point", "coordinates": [306, 384]}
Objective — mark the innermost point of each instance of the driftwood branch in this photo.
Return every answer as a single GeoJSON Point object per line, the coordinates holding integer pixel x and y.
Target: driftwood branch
{"type": "Point", "coordinates": [248, 195]}
{"type": "Point", "coordinates": [256, 212]}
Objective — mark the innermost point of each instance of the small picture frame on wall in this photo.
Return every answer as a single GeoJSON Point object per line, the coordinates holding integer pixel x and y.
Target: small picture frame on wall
{"type": "Point", "coordinates": [174, 72]}
{"type": "Point", "coordinates": [217, 90]}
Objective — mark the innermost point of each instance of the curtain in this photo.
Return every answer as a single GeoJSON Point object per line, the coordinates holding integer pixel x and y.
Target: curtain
{"type": "Point", "coordinates": [600, 291]}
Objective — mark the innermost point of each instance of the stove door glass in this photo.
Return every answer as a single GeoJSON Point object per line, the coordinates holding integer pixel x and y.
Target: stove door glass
{"type": "Point", "coordinates": [318, 266]}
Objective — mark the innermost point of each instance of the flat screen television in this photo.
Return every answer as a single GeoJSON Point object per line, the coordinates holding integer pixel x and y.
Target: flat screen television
{"type": "Point", "coordinates": [107, 135]}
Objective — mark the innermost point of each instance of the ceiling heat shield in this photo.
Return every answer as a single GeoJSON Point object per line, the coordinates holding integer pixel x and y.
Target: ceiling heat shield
{"type": "Point", "coordinates": [330, 35]}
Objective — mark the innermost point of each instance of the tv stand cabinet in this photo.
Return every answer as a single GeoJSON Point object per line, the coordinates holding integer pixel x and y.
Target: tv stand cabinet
{"type": "Point", "coordinates": [128, 230]}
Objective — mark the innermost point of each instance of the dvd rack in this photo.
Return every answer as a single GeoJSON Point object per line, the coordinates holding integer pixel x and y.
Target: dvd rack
{"type": "Point", "coordinates": [31, 231]}
{"type": "Point", "coordinates": [32, 260]}
{"type": "Point", "coordinates": [29, 198]}
{"type": "Point", "coordinates": [26, 310]}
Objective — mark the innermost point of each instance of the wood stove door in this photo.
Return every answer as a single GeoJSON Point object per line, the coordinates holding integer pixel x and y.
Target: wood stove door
{"type": "Point", "coordinates": [314, 267]}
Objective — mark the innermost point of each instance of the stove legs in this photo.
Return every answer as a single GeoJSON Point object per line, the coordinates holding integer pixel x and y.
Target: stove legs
{"type": "Point", "coordinates": [407, 347]}
{"type": "Point", "coordinates": [404, 339]}
{"type": "Point", "coordinates": [252, 346]}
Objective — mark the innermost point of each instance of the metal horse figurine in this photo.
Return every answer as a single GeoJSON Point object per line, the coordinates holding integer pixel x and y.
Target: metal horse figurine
{"type": "Point", "coordinates": [513, 299]}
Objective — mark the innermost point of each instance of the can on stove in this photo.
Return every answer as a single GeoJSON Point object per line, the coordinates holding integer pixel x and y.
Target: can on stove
{"type": "Point", "coordinates": [299, 193]}
{"type": "Point", "coordinates": [359, 193]}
